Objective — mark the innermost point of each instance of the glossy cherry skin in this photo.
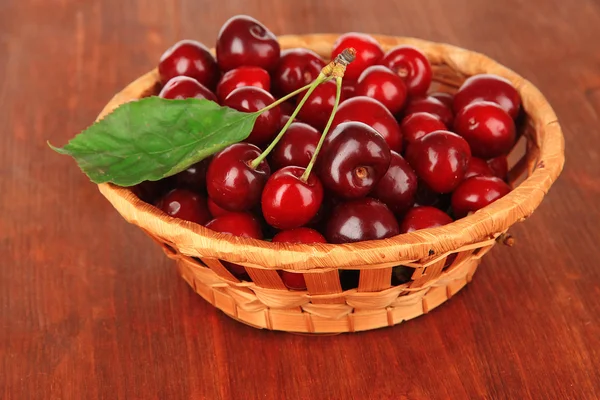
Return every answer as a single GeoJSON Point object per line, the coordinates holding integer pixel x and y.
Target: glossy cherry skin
{"type": "Point", "coordinates": [368, 52]}
{"type": "Point", "coordinates": [240, 77]}
{"type": "Point", "coordinates": [237, 224]}
{"type": "Point", "coordinates": [250, 99]}
{"type": "Point", "coordinates": [319, 105]}
{"type": "Point", "coordinates": [287, 201]}
{"type": "Point", "coordinates": [183, 87]}
{"type": "Point", "coordinates": [151, 191]}
{"type": "Point", "coordinates": [488, 129]}
{"type": "Point", "coordinates": [440, 159]}
{"type": "Point", "coordinates": [398, 187]}
{"type": "Point", "coordinates": [230, 181]}
{"type": "Point", "coordinates": [384, 86]}
{"type": "Point", "coordinates": [214, 209]}
{"type": "Point", "coordinates": [417, 125]}
{"type": "Point", "coordinates": [488, 87]}
{"type": "Point", "coordinates": [244, 41]}
{"type": "Point", "coordinates": [194, 177]}
{"type": "Point", "coordinates": [189, 58]}
{"type": "Point", "coordinates": [359, 220]}
{"type": "Point", "coordinates": [186, 205]}
{"type": "Point", "coordinates": [430, 105]}
{"type": "Point", "coordinates": [478, 167]}
{"type": "Point", "coordinates": [499, 166]}
{"type": "Point", "coordinates": [373, 113]}
{"type": "Point", "coordinates": [292, 280]}
{"type": "Point", "coordinates": [423, 217]}
{"type": "Point", "coordinates": [297, 68]}
{"type": "Point", "coordinates": [296, 147]}
{"type": "Point", "coordinates": [412, 66]}
{"type": "Point", "coordinates": [444, 97]}
{"type": "Point", "coordinates": [354, 160]}
{"type": "Point", "coordinates": [348, 89]}
{"type": "Point", "coordinates": [477, 192]}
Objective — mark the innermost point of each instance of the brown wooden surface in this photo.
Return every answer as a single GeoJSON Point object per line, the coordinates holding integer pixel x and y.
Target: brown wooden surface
{"type": "Point", "coordinates": [90, 308]}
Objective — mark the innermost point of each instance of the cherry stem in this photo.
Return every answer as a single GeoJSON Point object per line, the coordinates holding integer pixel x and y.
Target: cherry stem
{"type": "Point", "coordinates": [285, 98]}
{"type": "Point", "coordinates": [338, 94]}
{"type": "Point", "coordinates": [320, 79]}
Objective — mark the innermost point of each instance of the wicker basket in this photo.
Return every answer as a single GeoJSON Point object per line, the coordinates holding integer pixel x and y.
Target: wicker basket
{"type": "Point", "coordinates": [325, 307]}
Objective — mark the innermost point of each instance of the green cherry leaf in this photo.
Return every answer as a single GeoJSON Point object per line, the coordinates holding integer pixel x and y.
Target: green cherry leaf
{"type": "Point", "coordinates": [152, 138]}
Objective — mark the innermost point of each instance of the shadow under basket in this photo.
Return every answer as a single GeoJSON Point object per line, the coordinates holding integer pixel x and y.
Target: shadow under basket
{"type": "Point", "coordinates": [439, 261]}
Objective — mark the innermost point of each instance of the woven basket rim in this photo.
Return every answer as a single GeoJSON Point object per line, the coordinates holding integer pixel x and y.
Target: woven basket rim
{"type": "Point", "coordinates": [488, 222]}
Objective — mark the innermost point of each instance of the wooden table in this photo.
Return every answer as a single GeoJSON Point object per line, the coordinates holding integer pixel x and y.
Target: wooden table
{"type": "Point", "coordinates": [91, 308]}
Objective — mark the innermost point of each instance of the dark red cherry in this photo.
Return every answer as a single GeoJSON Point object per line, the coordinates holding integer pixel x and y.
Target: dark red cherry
{"type": "Point", "coordinates": [488, 129]}
{"type": "Point", "coordinates": [250, 99]}
{"type": "Point", "coordinates": [348, 89]}
{"type": "Point", "coordinates": [240, 77]}
{"type": "Point", "coordinates": [423, 217]}
{"type": "Point", "coordinates": [319, 105]}
{"type": "Point", "coordinates": [243, 41]}
{"type": "Point", "coordinates": [430, 105]}
{"type": "Point", "coordinates": [398, 187]}
{"type": "Point", "coordinates": [373, 113]}
{"type": "Point", "coordinates": [488, 87]}
{"type": "Point", "coordinates": [296, 147]}
{"type": "Point", "coordinates": [151, 191]}
{"type": "Point", "coordinates": [297, 68]}
{"type": "Point", "coordinates": [230, 181]}
{"type": "Point", "coordinates": [477, 192]}
{"type": "Point", "coordinates": [189, 58]}
{"type": "Point", "coordinates": [214, 209]}
{"type": "Point", "coordinates": [412, 66]}
{"type": "Point", "coordinates": [355, 159]}
{"type": "Point", "coordinates": [426, 196]}
{"type": "Point", "coordinates": [478, 167]}
{"type": "Point", "coordinates": [359, 220]}
{"type": "Point", "coordinates": [417, 125]}
{"type": "Point", "coordinates": [499, 166]}
{"type": "Point", "coordinates": [440, 159]}
{"type": "Point", "coordinates": [186, 205]}
{"type": "Point", "coordinates": [368, 52]}
{"type": "Point", "coordinates": [194, 177]}
{"type": "Point", "coordinates": [292, 280]}
{"type": "Point", "coordinates": [287, 201]}
{"type": "Point", "coordinates": [183, 87]}
{"type": "Point", "coordinates": [383, 85]}
{"type": "Point", "coordinates": [444, 97]}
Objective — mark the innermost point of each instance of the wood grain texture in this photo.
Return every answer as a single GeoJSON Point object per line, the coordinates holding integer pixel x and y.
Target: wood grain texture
{"type": "Point", "coordinates": [91, 308]}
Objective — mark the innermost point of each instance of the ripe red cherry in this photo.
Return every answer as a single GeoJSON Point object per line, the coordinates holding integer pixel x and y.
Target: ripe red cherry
{"type": "Point", "coordinates": [296, 147]}
{"type": "Point", "coordinates": [446, 98]}
{"type": "Point", "coordinates": [292, 280]}
{"type": "Point", "coordinates": [440, 159]}
{"type": "Point", "coordinates": [194, 177]}
{"type": "Point", "coordinates": [499, 166]}
{"type": "Point", "coordinates": [383, 85]}
{"type": "Point", "coordinates": [297, 68]}
{"type": "Point", "coordinates": [412, 66]}
{"type": "Point", "coordinates": [478, 167]}
{"type": "Point", "coordinates": [318, 106]}
{"type": "Point", "coordinates": [183, 87]}
{"type": "Point", "coordinates": [417, 125]}
{"type": "Point", "coordinates": [477, 192]}
{"type": "Point", "coordinates": [348, 89]}
{"type": "Point", "coordinates": [189, 58]}
{"type": "Point", "coordinates": [430, 105]}
{"type": "Point", "coordinates": [287, 201]}
{"type": "Point", "coordinates": [214, 209]}
{"type": "Point", "coordinates": [359, 220]}
{"type": "Point", "coordinates": [355, 159]}
{"type": "Point", "coordinates": [373, 113]}
{"type": "Point", "coordinates": [428, 197]}
{"type": "Point", "coordinates": [368, 52]}
{"type": "Point", "coordinates": [250, 99]}
{"type": "Point", "coordinates": [230, 181]}
{"type": "Point", "coordinates": [237, 224]}
{"type": "Point", "coordinates": [243, 41]}
{"type": "Point", "coordinates": [398, 187]}
{"type": "Point", "coordinates": [150, 191]}
{"type": "Point", "coordinates": [423, 217]}
{"type": "Point", "coordinates": [240, 77]}
{"type": "Point", "coordinates": [487, 87]}
{"type": "Point", "coordinates": [186, 205]}
{"type": "Point", "coordinates": [488, 129]}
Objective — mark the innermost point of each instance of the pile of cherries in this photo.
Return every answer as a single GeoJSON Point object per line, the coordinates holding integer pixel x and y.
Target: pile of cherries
{"type": "Point", "coordinates": [398, 158]}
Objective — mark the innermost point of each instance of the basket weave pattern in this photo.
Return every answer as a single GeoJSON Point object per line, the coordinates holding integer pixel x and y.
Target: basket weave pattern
{"type": "Point", "coordinates": [324, 306]}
